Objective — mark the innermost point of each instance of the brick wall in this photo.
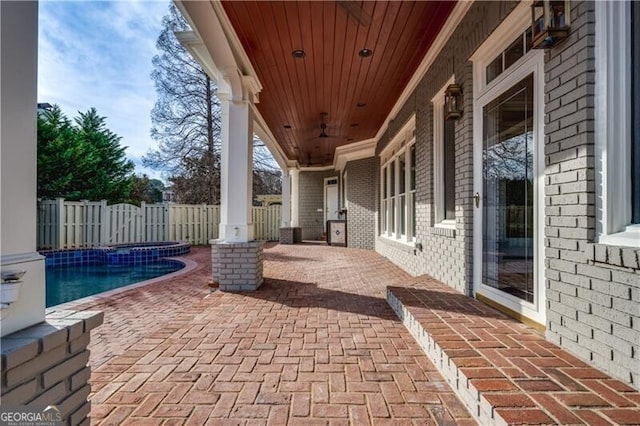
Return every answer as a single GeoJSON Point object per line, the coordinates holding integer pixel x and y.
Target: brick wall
{"type": "Point", "coordinates": [447, 254]}
{"type": "Point", "coordinates": [46, 364]}
{"type": "Point", "coordinates": [593, 290]}
{"type": "Point", "coordinates": [361, 202]}
{"type": "Point", "coordinates": [311, 198]}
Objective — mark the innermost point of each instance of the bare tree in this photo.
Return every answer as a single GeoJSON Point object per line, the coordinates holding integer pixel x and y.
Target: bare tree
{"type": "Point", "coordinates": [187, 124]}
{"type": "Point", "coordinates": [186, 117]}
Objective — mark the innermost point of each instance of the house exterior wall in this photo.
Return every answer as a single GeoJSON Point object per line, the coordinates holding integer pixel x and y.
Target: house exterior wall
{"type": "Point", "coordinates": [592, 290]}
{"type": "Point", "coordinates": [446, 254]}
{"type": "Point", "coordinates": [361, 202]}
{"type": "Point", "coordinates": [311, 199]}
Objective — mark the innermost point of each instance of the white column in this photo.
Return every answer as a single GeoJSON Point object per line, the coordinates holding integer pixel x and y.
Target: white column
{"type": "Point", "coordinates": [295, 199]}
{"type": "Point", "coordinates": [285, 212]}
{"type": "Point", "coordinates": [18, 102]}
{"type": "Point", "coordinates": [236, 181]}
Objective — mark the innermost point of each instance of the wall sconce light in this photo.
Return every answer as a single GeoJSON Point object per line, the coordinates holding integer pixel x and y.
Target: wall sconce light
{"type": "Point", "coordinates": [453, 102]}
{"type": "Point", "coordinates": [550, 22]}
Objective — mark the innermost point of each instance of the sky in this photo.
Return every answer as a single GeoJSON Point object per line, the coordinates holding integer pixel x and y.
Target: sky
{"type": "Point", "coordinates": [98, 54]}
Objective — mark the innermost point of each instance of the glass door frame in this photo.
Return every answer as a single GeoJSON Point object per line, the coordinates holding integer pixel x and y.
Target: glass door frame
{"type": "Point", "coordinates": [531, 63]}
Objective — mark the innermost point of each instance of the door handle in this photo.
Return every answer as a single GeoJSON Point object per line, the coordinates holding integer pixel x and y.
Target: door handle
{"type": "Point", "coordinates": [476, 198]}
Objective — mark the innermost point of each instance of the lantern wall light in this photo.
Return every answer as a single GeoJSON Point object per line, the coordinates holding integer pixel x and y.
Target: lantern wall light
{"type": "Point", "coordinates": [453, 102]}
{"type": "Point", "coordinates": [550, 22]}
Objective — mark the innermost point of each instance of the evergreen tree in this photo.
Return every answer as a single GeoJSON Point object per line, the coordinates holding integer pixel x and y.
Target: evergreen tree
{"type": "Point", "coordinates": [81, 160]}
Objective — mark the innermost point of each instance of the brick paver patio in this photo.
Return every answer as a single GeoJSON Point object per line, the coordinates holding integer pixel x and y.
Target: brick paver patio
{"type": "Point", "coordinates": [318, 344]}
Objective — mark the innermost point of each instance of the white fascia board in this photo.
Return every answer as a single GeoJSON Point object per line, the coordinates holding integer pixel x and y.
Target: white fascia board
{"type": "Point", "coordinates": [354, 151]}
{"type": "Point", "coordinates": [191, 41]}
{"type": "Point", "coordinates": [211, 25]}
{"type": "Point", "coordinates": [231, 37]}
{"type": "Point", "coordinates": [459, 11]}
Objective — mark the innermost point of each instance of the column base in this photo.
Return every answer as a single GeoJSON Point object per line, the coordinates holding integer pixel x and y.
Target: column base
{"type": "Point", "coordinates": [236, 233]}
{"type": "Point", "coordinates": [237, 266]}
{"type": "Point", "coordinates": [290, 235]}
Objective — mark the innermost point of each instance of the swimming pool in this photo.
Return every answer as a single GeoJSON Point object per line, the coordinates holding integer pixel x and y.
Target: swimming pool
{"type": "Point", "coordinates": [70, 282]}
{"type": "Point", "coordinates": [76, 273]}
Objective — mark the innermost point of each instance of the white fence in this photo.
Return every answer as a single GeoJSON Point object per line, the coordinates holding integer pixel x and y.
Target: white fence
{"type": "Point", "coordinates": [74, 224]}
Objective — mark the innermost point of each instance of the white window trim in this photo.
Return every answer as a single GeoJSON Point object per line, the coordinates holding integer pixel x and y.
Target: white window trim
{"type": "Point", "coordinates": [326, 185]}
{"type": "Point", "coordinates": [613, 163]}
{"type": "Point", "coordinates": [399, 145]}
{"type": "Point", "coordinates": [519, 20]}
{"type": "Point", "coordinates": [344, 191]}
{"type": "Point", "coordinates": [383, 212]}
{"type": "Point", "coordinates": [483, 93]}
{"type": "Point", "coordinates": [438, 159]}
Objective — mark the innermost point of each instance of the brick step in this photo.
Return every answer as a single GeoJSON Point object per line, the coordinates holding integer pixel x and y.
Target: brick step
{"type": "Point", "coordinates": [505, 372]}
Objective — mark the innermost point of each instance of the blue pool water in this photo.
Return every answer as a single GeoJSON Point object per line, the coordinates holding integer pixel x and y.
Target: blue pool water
{"type": "Point", "coordinates": [71, 282]}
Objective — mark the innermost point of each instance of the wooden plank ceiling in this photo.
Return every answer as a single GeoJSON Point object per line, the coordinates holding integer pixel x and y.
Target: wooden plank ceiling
{"type": "Point", "coordinates": [356, 93]}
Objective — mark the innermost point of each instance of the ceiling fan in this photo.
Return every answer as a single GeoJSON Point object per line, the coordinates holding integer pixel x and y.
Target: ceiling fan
{"type": "Point", "coordinates": [317, 159]}
{"type": "Point", "coordinates": [323, 126]}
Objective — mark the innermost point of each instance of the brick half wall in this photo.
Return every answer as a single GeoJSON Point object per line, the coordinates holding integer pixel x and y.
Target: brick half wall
{"type": "Point", "coordinates": [46, 364]}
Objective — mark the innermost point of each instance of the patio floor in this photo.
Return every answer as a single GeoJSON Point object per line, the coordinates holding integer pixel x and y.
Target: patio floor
{"type": "Point", "coordinates": [319, 344]}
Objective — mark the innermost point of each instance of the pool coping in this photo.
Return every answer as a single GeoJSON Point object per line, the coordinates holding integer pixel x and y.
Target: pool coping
{"type": "Point", "coordinates": [189, 266]}
{"type": "Point", "coordinates": [115, 254]}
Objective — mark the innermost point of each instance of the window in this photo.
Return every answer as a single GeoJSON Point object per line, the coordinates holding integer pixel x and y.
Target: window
{"type": "Point", "coordinates": [398, 182]}
{"type": "Point", "coordinates": [618, 123]}
{"type": "Point", "coordinates": [444, 162]}
{"type": "Point", "coordinates": [412, 188]}
{"type": "Point", "coordinates": [509, 56]}
{"type": "Point", "coordinates": [384, 226]}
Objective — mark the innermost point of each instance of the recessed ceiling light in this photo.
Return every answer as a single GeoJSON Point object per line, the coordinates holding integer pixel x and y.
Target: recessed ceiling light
{"type": "Point", "coordinates": [361, 105]}
{"type": "Point", "coordinates": [298, 54]}
{"type": "Point", "coordinates": [365, 53]}
{"type": "Point", "coordinates": [287, 126]}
